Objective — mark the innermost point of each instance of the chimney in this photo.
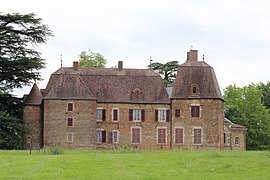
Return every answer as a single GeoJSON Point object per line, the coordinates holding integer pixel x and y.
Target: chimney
{"type": "Point", "coordinates": [75, 65]}
{"type": "Point", "coordinates": [192, 55]}
{"type": "Point", "coordinates": [120, 65]}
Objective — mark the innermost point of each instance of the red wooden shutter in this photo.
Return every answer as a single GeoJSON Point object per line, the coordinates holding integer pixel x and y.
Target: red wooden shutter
{"type": "Point", "coordinates": [168, 115]}
{"type": "Point", "coordinates": [179, 136]}
{"type": "Point", "coordinates": [162, 136]}
{"type": "Point", "coordinates": [156, 115]}
{"type": "Point", "coordinates": [197, 136]}
{"type": "Point", "coordinates": [70, 121]}
{"type": "Point", "coordinates": [110, 137]}
{"type": "Point", "coordinates": [177, 112]}
{"type": "Point", "coordinates": [70, 106]}
{"type": "Point", "coordinates": [103, 136]}
{"type": "Point", "coordinates": [195, 111]}
{"type": "Point", "coordinates": [103, 114]}
{"type": "Point", "coordinates": [142, 115]}
{"type": "Point", "coordinates": [115, 115]}
{"type": "Point", "coordinates": [136, 135]}
{"type": "Point", "coordinates": [130, 114]}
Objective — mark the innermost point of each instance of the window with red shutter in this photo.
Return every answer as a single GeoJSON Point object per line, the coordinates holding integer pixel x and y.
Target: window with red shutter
{"type": "Point", "coordinates": [103, 114]}
{"type": "Point", "coordinates": [131, 115]}
{"type": "Point", "coordinates": [142, 115]}
{"type": "Point", "coordinates": [177, 112]}
{"type": "Point", "coordinates": [179, 136]}
{"type": "Point", "coordinates": [197, 136]}
{"type": "Point", "coordinates": [70, 106]}
{"type": "Point", "coordinates": [69, 121]}
{"type": "Point", "coordinates": [168, 115]}
{"type": "Point", "coordinates": [110, 137]}
{"type": "Point", "coordinates": [103, 136]}
{"type": "Point", "coordinates": [156, 115]}
{"type": "Point", "coordinates": [195, 111]}
{"type": "Point", "coordinates": [161, 136]}
{"type": "Point", "coordinates": [136, 135]}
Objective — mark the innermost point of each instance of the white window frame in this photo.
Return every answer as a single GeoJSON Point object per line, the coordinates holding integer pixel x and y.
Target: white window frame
{"type": "Point", "coordinates": [137, 117]}
{"type": "Point", "coordinates": [71, 134]}
{"type": "Point", "coordinates": [73, 107]}
{"type": "Point", "coordinates": [166, 135]}
{"type": "Point", "coordinates": [136, 127]}
{"type": "Point", "coordinates": [201, 135]}
{"type": "Point", "coordinates": [100, 136]}
{"type": "Point", "coordinates": [99, 109]}
{"type": "Point", "coordinates": [117, 114]}
{"type": "Point", "coordinates": [72, 121]}
{"type": "Point", "coordinates": [238, 144]}
{"type": "Point", "coordinates": [159, 114]}
{"type": "Point", "coordinates": [117, 137]}
{"type": "Point", "coordinates": [200, 113]}
{"type": "Point", "coordinates": [179, 127]}
{"type": "Point", "coordinates": [226, 134]}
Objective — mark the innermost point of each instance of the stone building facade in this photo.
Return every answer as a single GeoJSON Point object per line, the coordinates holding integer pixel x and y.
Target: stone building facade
{"type": "Point", "coordinates": [106, 108]}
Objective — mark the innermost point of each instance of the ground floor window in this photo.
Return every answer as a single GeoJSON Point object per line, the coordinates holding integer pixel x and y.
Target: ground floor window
{"type": "Point", "coordinates": [161, 135]}
{"type": "Point", "coordinates": [136, 135]}
{"type": "Point", "coordinates": [115, 137]}
{"type": "Point", "coordinates": [100, 136]}
{"type": "Point", "coordinates": [179, 136]}
{"type": "Point", "coordinates": [237, 141]}
{"type": "Point", "coordinates": [70, 137]}
{"type": "Point", "coordinates": [197, 136]}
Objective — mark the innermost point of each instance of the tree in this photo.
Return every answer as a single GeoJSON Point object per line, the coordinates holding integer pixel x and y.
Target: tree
{"type": "Point", "coordinates": [265, 94]}
{"type": "Point", "coordinates": [167, 71]}
{"type": "Point", "coordinates": [19, 61]}
{"type": "Point", "coordinates": [91, 59]}
{"type": "Point", "coordinates": [244, 106]}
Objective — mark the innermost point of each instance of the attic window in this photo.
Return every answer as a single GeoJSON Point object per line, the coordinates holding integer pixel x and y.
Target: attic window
{"type": "Point", "coordinates": [194, 90]}
{"type": "Point", "coordinates": [136, 94]}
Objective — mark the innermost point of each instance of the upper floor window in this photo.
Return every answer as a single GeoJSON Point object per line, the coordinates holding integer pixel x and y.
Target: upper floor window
{"type": "Point", "coordinates": [136, 115]}
{"type": "Point", "coordinates": [197, 136]}
{"type": "Point", "coordinates": [70, 121]}
{"type": "Point", "coordinates": [70, 106]}
{"type": "Point", "coordinates": [115, 114]}
{"type": "Point", "coordinates": [162, 115]}
{"type": "Point", "coordinates": [195, 110]}
{"type": "Point", "coordinates": [100, 114]}
{"type": "Point", "coordinates": [136, 94]}
{"type": "Point", "coordinates": [161, 136]}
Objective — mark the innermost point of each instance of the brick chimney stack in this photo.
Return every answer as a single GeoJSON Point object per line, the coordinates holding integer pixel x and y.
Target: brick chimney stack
{"type": "Point", "coordinates": [120, 65]}
{"type": "Point", "coordinates": [75, 65]}
{"type": "Point", "coordinates": [192, 55]}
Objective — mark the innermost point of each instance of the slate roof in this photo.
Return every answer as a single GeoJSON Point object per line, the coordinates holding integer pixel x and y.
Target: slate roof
{"type": "Point", "coordinates": [34, 97]}
{"type": "Point", "coordinates": [233, 125]}
{"type": "Point", "coordinates": [106, 85]}
{"type": "Point", "coordinates": [196, 72]}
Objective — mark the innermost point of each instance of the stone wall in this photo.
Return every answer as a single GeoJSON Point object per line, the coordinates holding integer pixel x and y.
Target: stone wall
{"type": "Point", "coordinates": [210, 121]}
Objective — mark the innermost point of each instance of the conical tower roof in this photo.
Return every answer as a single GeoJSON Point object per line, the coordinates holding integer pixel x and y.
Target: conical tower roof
{"type": "Point", "coordinates": [34, 97]}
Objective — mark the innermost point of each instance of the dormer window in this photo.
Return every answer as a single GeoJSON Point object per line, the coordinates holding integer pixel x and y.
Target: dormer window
{"type": "Point", "coordinates": [136, 94]}
{"type": "Point", "coordinates": [194, 90]}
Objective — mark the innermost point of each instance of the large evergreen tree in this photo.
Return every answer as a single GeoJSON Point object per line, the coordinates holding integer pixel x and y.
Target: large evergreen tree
{"type": "Point", "coordinates": [19, 65]}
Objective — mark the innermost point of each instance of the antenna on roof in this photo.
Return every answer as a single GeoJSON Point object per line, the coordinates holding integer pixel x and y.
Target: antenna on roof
{"type": "Point", "coordinates": [203, 57]}
{"type": "Point", "coordinates": [61, 63]}
{"type": "Point", "coordinates": [191, 47]}
{"type": "Point", "coordinates": [150, 61]}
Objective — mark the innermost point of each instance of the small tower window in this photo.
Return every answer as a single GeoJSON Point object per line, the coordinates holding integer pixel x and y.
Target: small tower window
{"type": "Point", "coordinates": [194, 90]}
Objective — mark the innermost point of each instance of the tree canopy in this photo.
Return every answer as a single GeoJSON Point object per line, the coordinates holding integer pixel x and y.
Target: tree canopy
{"type": "Point", "coordinates": [91, 59]}
{"type": "Point", "coordinates": [244, 106]}
{"type": "Point", "coordinates": [167, 71]}
{"type": "Point", "coordinates": [19, 61]}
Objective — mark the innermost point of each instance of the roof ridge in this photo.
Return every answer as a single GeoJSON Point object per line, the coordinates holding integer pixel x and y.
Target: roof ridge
{"type": "Point", "coordinates": [53, 87]}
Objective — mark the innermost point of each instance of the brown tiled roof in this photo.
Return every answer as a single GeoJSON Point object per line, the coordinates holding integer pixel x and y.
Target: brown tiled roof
{"type": "Point", "coordinates": [233, 125]}
{"type": "Point", "coordinates": [67, 87]}
{"type": "Point", "coordinates": [109, 84]}
{"type": "Point", "coordinates": [34, 97]}
{"type": "Point", "coordinates": [199, 73]}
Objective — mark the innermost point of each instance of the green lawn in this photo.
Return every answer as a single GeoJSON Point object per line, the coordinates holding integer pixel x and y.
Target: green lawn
{"type": "Point", "coordinates": [139, 165]}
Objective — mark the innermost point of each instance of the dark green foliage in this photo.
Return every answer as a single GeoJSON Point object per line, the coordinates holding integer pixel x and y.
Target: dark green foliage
{"type": "Point", "coordinates": [91, 59]}
{"type": "Point", "coordinates": [12, 105]}
{"type": "Point", "coordinates": [167, 71]}
{"type": "Point", "coordinates": [19, 62]}
{"type": "Point", "coordinates": [265, 94]}
{"type": "Point", "coordinates": [11, 130]}
{"type": "Point", "coordinates": [244, 106]}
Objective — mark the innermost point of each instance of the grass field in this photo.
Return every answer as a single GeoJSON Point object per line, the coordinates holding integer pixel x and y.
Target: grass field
{"type": "Point", "coordinates": [139, 165]}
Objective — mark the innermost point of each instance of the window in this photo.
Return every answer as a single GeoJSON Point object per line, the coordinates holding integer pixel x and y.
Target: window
{"type": "Point", "coordinates": [137, 115]}
{"type": "Point", "coordinates": [136, 95]}
{"type": "Point", "coordinates": [226, 138]}
{"type": "Point", "coordinates": [70, 121]}
{"type": "Point", "coordinates": [100, 114]}
{"type": "Point", "coordinates": [194, 90]}
{"type": "Point", "coordinates": [115, 115]}
{"type": "Point", "coordinates": [237, 141]}
{"type": "Point", "coordinates": [115, 136]}
{"type": "Point", "coordinates": [161, 136]}
{"type": "Point", "coordinates": [179, 136]}
{"type": "Point", "coordinates": [197, 136]}
{"type": "Point", "coordinates": [177, 112]}
{"type": "Point", "coordinates": [69, 137]}
{"type": "Point", "coordinates": [195, 111]}
{"type": "Point", "coordinates": [136, 135]}
{"type": "Point", "coordinates": [101, 136]}
{"type": "Point", "coordinates": [162, 115]}
{"type": "Point", "coordinates": [70, 106]}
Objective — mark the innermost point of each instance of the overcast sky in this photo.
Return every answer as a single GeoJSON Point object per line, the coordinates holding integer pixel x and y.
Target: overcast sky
{"type": "Point", "coordinates": [234, 35]}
